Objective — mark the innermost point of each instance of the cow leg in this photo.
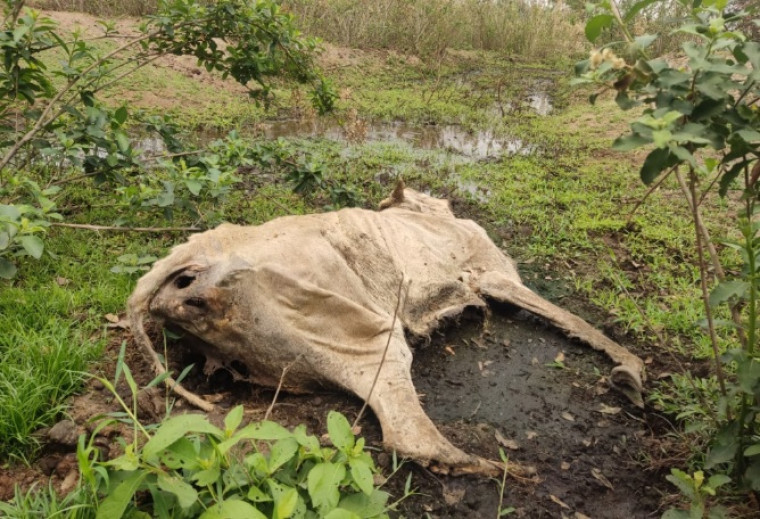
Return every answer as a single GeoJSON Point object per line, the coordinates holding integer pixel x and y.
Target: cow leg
{"type": "Point", "coordinates": [627, 376]}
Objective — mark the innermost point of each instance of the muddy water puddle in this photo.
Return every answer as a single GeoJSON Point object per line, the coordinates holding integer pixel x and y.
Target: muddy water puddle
{"type": "Point", "coordinates": [453, 138]}
{"type": "Point", "coordinates": [517, 384]}
{"type": "Point", "coordinates": [512, 383]}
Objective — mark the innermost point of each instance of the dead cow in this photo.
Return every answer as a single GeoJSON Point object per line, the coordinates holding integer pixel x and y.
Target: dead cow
{"type": "Point", "coordinates": [318, 294]}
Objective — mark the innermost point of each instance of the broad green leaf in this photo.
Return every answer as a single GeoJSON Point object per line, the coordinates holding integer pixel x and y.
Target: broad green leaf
{"type": "Point", "coordinates": [748, 375]}
{"type": "Point", "coordinates": [114, 505]}
{"type": "Point", "coordinates": [181, 454]}
{"type": "Point", "coordinates": [597, 24]}
{"type": "Point", "coordinates": [726, 290]}
{"type": "Point", "coordinates": [186, 494]}
{"type": "Point", "coordinates": [310, 442]}
{"type": "Point", "coordinates": [270, 431]}
{"type": "Point", "coordinates": [194, 186]}
{"type": "Point", "coordinates": [723, 449]}
{"type": "Point", "coordinates": [366, 506]}
{"type": "Point", "coordinates": [631, 13]}
{"type": "Point", "coordinates": [749, 135]}
{"type": "Point", "coordinates": [645, 40]}
{"type": "Point", "coordinates": [120, 115]}
{"type": "Point", "coordinates": [323, 484]}
{"type": "Point", "coordinates": [752, 450]}
{"type": "Point", "coordinates": [281, 453]}
{"type": "Point", "coordinates": [718, 480]}
{"type": "Point", "coordinates": [362, 475]}
{"type": "Point", "coordinates": [33, 245]}
{"type": "Point", "coordinates": [232, 509]}
{"type": "Point", "coordinates": [175, 428]}
{"type": "Point", "coordinates": [7, 269]}
{"type": "Point", "coordinates": [285, 505]}
{"type": "Point", "coordinates": [5, 240]}
{"type": "Point", "coordinates": [676, 514]}
{"type": "Point", "coordinates": [256, 495]}
{"type": "Point", "coordinates": [10, 212]}
{"type": "Point", "coordinates": [339, 513]}
{"type": "Point", "coordinates": [122, 141]}
{"type": "Point", "coordinates": [232, 420]}
{"type": "Point", "coordinates": [208, 476]}
{"type": "Point", "coordinates": [752, 475]}
{"type": "Point", "coordinates": [655, 163]}
{"type": "Point", "coordinates": [630, 142]}
{"type": "Point", "coordinates": [340, 431]}
{"type": "Point", "coordinates": [661, 138]}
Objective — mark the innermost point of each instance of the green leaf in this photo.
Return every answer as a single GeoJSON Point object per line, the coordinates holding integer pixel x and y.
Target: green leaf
{"type": "Point", "coordinates": [7, 269]}
{"type": "Point", "coordinates": [362, 475]}
{"type": "Point", "coordinates": [752, 450]}
{"type": "Point", "coordinates": [683, 481]}
{"type": "Point", "coordinates": [194, 186]}
{"type": "Point", "coordinates": [323, 484]}
{"type": "Point", "coordinates": [285, 505]}
{"type": "Point", "coordinates": [597, 24]}
{"type": "Point", "coordinates": [270, 431]}
{"type": "Point", "coordinates": [5, 240]}
{"type": "Point", "coordinates": [748, 375]}
{"type": "Point", "coordinates": [342, 514]}
{"type": "Point", "coordinates": [208, 476]}
{"type": "Point", "coordinates": [657, 161]}
{"type": "Point", "coordinates": [232, 509]}
{"type": "Point", "coordinates": [175, 428]}
{"type": "Point", "coordinates": [33, 245]}
{"type": "Point", "coordinates": [122, 141]}
{"type": "Point", "coordinates": [726, 290]}
{"type": "Point", "coordinates": [233, 420]}
{"type": "Point", "coordinates": [281, 453]}
{"type": "Point", "coordinates": [645, 40]}
{"type": "Point", "coordinates": [186, 494]}
{"type": "Point", "coordinates": [662, 137]}
{"type": "Point", "coordinates": [718, 480]}
{"type": "Point", "coordinates": [120, 115]}
{"type": "Point", "coordinates": [182, 454]}
{"type": "Point", "coordinates": [340, 431]}
{"type": "Point", "coordinates": [366, 506]}
{"type": "Point", "coordinates": [636, 9]}
{"type": "Point", "coordinates": [256, 495]}
{"type": "Point", "coordinates": [115, 504]}
{"type": "Point", "coordinates": [749, 135]}
{"type": "Point", "coordinates": [630, 142]}
{"type": "Point", "coordinates": [676, 514]}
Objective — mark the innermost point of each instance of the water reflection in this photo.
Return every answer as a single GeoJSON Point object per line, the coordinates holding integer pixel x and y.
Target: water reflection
{"type": "Point", "coordinates": [478, 145]}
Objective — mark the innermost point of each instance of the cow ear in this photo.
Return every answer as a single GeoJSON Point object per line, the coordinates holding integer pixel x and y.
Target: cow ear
{"type": "Point", "coordinates": [397, 196]}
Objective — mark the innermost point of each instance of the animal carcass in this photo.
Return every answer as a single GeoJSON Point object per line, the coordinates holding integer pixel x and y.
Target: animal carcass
{"type": "Point", "coordinates": [318, 295]}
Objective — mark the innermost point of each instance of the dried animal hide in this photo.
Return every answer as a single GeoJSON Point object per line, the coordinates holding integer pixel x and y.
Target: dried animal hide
{"type": "Point", "coordinates": [317, 295]}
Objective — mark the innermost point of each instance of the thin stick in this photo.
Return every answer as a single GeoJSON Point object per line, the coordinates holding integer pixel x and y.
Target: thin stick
{"type": "Point", "coordinates": [279, 386]}
{"type": "Point", "coordinates": [385, 352]}
{"type": "Point", "coordinates": [651, 190]}
{"type": "Point", "coordinates": [89, 227]}
{"type": "Point", "coordinates": [142, 339]}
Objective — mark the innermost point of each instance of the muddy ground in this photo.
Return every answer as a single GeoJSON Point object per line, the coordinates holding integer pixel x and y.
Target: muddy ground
{"type": "Point", "coordinates": [505, 380]}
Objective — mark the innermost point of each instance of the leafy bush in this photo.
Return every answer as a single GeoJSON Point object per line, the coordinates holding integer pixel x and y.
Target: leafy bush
{"type": "Point", "coordinates": [700, 116]}
{"type": "Point", "coordinates": [56, 132]}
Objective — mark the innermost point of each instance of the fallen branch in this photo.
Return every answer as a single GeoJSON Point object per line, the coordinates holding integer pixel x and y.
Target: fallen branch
{"type": "Point", "coordinates": [90, 227]}
{"type": "Point", "coordinates": [144, 342]}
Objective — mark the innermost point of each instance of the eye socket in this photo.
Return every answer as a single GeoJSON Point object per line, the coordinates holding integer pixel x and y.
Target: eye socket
{"type": "Point", "coordinates": [184, 281]}
{"type": "Point", "coordinates": [197, 302]}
